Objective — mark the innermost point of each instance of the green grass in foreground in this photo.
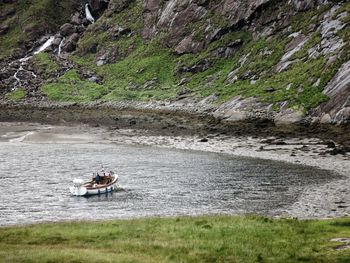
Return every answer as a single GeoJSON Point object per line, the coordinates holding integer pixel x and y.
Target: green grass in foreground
{"type": "Point", "coordinates": [185, 239]}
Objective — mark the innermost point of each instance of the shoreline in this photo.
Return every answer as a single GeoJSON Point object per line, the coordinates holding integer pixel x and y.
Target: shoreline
{"type": "Point", "coordinates": [318, 201]}
{"type": "Point", "coordinates": [174, 118]}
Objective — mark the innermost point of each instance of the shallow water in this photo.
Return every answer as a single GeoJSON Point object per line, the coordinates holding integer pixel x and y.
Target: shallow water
{"type": "Point", "coordinates": [35, 178]}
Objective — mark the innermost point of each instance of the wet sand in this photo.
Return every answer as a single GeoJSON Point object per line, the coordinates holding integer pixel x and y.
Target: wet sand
{"type": "Point", "coordinates": [325, 201]}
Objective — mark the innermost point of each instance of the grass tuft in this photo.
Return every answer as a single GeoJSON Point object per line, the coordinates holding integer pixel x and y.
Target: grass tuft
{"type": "Point", "coordinates": [16, 95]}
{"type": "Point", "coordinates": [70, 87]}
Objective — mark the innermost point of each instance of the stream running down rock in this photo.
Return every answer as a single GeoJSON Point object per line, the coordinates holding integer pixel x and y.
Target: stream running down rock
{"type": "Point", "coordinates": [23, 75]}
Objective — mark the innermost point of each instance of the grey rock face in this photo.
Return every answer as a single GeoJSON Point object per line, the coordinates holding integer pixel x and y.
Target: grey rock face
{"type": "Point", "coordinates": [237, 11]}
{"type": "Point", "coordinates": [337, 109]}
{"type": "Point", "coordinates": [296, 44]}
{"type": "Point", "coordinates": [303, 5]}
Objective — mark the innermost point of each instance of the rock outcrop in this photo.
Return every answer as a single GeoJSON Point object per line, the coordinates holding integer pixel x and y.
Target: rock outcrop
{"type": "Point", "coordinates": [337, 109]}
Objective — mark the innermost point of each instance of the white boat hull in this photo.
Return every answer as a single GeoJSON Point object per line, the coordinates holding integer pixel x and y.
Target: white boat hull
{"type": "Point", "coordinates": [99, 189]}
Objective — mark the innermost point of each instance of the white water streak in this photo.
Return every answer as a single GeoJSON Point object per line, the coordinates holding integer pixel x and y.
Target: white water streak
{"type": "Point", "coordinates": [60, 47]}
{"type": "Point", "coordinates": [22, 138]}
{"type": "Point", "coordinates": [18, 81]}
{"type": "Point", "coordinates": [88, 14]}
{"type": "Point", "coordinates": [45, 45]}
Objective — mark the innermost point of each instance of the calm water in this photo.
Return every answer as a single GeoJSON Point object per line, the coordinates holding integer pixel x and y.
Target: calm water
{"type": "Point", "coordinates": [35, 178]}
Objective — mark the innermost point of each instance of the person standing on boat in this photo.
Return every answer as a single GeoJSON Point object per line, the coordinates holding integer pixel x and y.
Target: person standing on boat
{"type": "Point", "coordinates": [98, 178]}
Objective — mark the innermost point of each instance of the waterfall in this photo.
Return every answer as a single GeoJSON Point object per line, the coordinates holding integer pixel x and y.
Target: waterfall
{"type": "Point", "coordinates": [45, 45]}
{"type": "Point", "coordinates": [23, 62]}
{"type": "Point", "coordinates": [88, 14]}
{"type": "Point", "coordinates": [60, 47]}
{"type": "Point", "coordinates": [18, 81]}
{"type": "Point", "coordinates": [25, 59]}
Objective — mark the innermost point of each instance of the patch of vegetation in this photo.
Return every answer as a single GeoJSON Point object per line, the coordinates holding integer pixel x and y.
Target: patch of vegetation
{"type": "Point", "coordinates": [294, 85]}
{"type": "Point", "coordinates": [44, 64]}
{"type": "Point", "coordinates": [131, 17]}
{"type": "Point", "coordinates": [16, 95]}
{"type": "Point", "coordinates": [70, 87]}
{"type": "Point", "coordinates": [302, 20]}
{"type": "Point", "coordinates": [91, 43]}
{"type": "Point", "coordinates": [146, 73]}
{"type": "Point", "coordinates": [183, 239]}
{"type": "Point", "coordinates": [9, 41]}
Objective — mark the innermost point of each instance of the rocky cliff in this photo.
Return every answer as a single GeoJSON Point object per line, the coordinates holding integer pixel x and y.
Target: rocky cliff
{"type": "Point", "coordinates": [286, 61]}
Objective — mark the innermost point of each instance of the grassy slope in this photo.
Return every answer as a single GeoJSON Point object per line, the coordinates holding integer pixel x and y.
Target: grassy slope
{"type": "Point", "coordinates": [197, 239]}
{"type": "Point", "coordinates": [144, 61]}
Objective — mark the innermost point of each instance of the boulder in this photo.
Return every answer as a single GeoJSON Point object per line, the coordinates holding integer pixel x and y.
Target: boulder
{"type": "Point", "coordinates": [67, 29]}
{"type": "Point", "coordinates": [188, 45]}
{"type": "Point", "coordinates": [70, 43]}
{"type": "Point", "coordinates": [57, 40]}
{"type": "Point", "coordinates": [117, 31]}
{"type": "Point", "coordinates": [288, 116]}
{"type": "Point", "coordinates": [76, 20]}
{"type": "Point", "coordinates": [237, 109]}
{"type": "Point", "coordinates": [198, 67]}
{"type": "Point", "coordinates": [106, 56]}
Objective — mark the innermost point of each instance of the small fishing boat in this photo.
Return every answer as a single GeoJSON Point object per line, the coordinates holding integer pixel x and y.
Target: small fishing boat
{"type": "Point", "coordinates": [100, 184]}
